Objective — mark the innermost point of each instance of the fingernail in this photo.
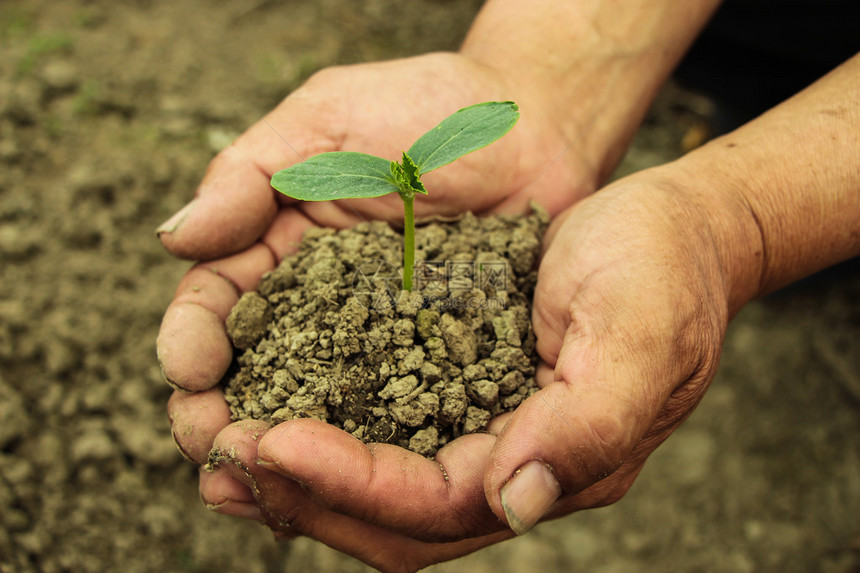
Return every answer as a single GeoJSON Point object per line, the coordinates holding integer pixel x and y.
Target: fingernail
{"type": "Point", "coordinates": [268, 464]}
{"type": "Point", "coordinates": [170, 382]}
{"type": "Point", "coordinates": [179, 447]}
{"type": "Point", "coordinates": [174, 222]}
{"type": "Point", "coordinates": [528, 495]}
{"type": "Point", "coordinates": [237, 509]}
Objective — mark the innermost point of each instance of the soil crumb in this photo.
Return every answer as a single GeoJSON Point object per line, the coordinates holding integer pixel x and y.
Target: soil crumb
{"type": "Point", "coordinates": [329, 334]}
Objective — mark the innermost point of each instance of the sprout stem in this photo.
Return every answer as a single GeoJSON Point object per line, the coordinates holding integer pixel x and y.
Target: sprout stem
{"type": "Point", "coordinates": [408, 239]}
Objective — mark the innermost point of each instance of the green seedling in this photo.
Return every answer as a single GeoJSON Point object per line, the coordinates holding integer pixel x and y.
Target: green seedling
{"type": "Point", "coordinates": [352, 175]}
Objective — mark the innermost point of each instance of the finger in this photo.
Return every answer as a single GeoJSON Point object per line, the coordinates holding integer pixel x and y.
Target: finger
{"type": "Point", "coordinates": [498, 423]}
{"type": "Point", "coordinates": [195, 420]}
{"type": "Point", "coordinates": [581, 427]}
{"type": "Point", "coordinates": [530, 471]}
{"type": "Point", "coordinates": [193, 348]}
{"type": "Point", "coordinates": [289, 510]}
{"type": "Point", "coordinates": [346, 213]}
{"type": "Point", "coordinates": [220, 492]}
{"type": "Point", "coordinates": [285, 233]}
{"type": "Point", "coordinates": [544, 375]}
{"type": "Point", "coordinates": [243, 270]}
{"type": "Point", "coordinates": [435, 500]}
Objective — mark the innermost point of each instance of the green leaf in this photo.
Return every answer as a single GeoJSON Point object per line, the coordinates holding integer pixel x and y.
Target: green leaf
{"type": "Point", "coordinates": [336, 175]}
{"type": "Point", "coordinates": [406, 176]}
{"type": "Point", "coordinates": [464, 131]}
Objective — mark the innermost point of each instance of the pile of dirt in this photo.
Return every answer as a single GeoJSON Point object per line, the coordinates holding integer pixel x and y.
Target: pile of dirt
{"type": "Point", "coordinates": [330, 335]}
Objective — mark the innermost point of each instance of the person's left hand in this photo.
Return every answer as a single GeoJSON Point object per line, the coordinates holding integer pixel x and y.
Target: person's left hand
{"type": "Point", "coordinates": [239, 227]}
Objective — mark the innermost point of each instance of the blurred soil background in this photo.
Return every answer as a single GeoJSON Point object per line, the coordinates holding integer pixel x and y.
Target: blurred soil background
{"type": "Point", "coordinates": [109, 113]}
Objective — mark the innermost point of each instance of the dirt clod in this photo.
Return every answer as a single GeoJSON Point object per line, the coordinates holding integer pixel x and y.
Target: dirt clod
{"type": "Point", "coordinates": [248, 320]}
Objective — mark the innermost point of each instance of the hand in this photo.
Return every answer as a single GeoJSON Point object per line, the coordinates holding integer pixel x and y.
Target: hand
{"type": "Point", "coordinates": [631, 307]}
{"type": "Point", "coordinates": [375, 108]}
{"type": "Point", "coordinates": [630, 314]}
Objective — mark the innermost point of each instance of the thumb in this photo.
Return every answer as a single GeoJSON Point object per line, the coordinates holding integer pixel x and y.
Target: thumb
{"type": "Point", "coordinates": [572, 434]}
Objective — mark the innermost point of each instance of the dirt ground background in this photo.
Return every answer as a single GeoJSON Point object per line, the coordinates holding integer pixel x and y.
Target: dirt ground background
{"type": "Point", "coordinates": [109, 113]}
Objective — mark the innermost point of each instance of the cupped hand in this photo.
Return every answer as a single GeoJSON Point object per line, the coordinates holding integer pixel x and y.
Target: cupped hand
{"type": "Point", "coordinates": [630, 312]}
{"type": "Point", "coordinates": [239, 227]}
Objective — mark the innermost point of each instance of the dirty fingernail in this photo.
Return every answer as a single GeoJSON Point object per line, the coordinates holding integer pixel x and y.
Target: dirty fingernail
{"type": "Point", "coordinates": [528, 495]}
{"type": "Point", "coordinates": [174, 222]}
{"type": "Point", "coordinates": [179, 446]}
{"type": "Point", "coordinates": [268, 464]}
{"type": "Point", "coordinates": [237, 509]}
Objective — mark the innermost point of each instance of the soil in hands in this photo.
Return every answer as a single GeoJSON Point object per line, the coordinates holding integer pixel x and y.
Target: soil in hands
{"type": "Point", "coordinates": [329, 334]}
